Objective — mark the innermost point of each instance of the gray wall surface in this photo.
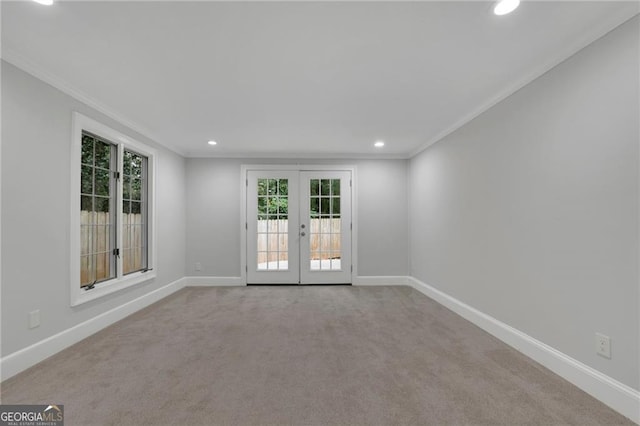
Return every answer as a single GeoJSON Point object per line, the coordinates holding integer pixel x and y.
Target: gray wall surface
{"type": "Point", "coordinates": [213, 215]}
{"type": "Point", "coordinates": [36, 143]}
{"type": "Point", "coordinates": [529, 213]}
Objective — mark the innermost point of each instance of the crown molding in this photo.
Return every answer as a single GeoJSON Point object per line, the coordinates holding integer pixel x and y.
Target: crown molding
{"type": "Point", "coordinates": [39, 72]}
{"type": "Point", "coordinates": [298, 155]}
{"type": "Point", "coordinates": [596, 32]}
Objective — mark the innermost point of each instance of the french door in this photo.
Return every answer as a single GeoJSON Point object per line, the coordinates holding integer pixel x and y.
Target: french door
{"type": "Point", "coordinates": [298, 227]}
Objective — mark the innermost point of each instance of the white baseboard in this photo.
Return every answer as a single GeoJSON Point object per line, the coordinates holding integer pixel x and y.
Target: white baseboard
{"type": "Point", "coordinates": [213, 281]}
{"type": "Point", "coordinates": [611, 392]}
{"type": "Point", "coordinates": [18, 361]}
{"type": "Point", "coordinates": [238, 281]}
{"type": "Point", "coordinates": [381, 280]}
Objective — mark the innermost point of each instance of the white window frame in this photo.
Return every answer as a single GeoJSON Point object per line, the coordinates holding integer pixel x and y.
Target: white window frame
{"type": "Point", "coordinates": [79, 295]}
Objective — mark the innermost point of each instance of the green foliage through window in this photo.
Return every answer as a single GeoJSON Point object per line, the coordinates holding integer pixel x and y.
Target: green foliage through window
{"type": "Point", "coordinates": [273, 198]}
{"type": "Point", "coordinates": [325, 198]}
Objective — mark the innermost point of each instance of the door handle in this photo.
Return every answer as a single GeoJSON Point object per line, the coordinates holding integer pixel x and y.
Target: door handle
{"type": "Point", "coordinates": [302, 234]}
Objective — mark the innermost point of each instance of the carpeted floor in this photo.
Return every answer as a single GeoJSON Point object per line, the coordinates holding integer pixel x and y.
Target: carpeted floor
{"type": "Point", "coordinates": [301, 356]}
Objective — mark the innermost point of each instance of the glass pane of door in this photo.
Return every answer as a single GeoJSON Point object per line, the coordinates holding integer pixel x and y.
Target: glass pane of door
{"type": "Point", "coordinates": [272, 225]}
{"type": "Point", "coordinates": [324, 225]}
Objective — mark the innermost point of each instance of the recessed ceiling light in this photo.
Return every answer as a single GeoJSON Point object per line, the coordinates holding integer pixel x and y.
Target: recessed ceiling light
{"type": "Point", "coordinates": [505, 6]}
{"type": "Point", "coordinates": [212, 143]}
{"type": "Point", "coordinates": [379, 144]}
{"type": "Point", "coordinates": [44, 2]}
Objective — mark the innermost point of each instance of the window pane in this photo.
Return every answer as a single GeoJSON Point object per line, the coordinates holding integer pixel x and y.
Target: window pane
{"type": "Point", "coordinates": [283, 206]}
{"type": "Point", "coordinates": [126, 187]}
{"type": "Point", "coordinates": [336, 262]}
{"type": "Point", "coordinates": [272, 206]}
{"type": "Point", "coordinates": [96, 233]}
{"type": "Point", "coordinates": [85, 271]}
{"type": "Point", "coordinates": [262, 260]}
{"type": "Point", "coordinates": [283, 186]}
{"type": "Point", "coordinates": [102, 204]}
{"type": "Point", "coordinates": [262, 205]}
{"type": "Point", "coordinates": [86, 203]}
{"type": "Point", "coordinates": [284, 244]}
{"type": "Point", "coordinates": [335, 186]}
{"type": "Point", "coordinates": [102, 182]}
{"type": "Point", "coordinates": [325, 207]}
{"type": "Point", "coordinates": [136, 165]}
{"type": "Point", "coordinates": [335, 206]}
{"type": "Point", "coordinates": [134, 233]}
{"type": "Point", "coordinates": [315, 187]}
{"type": "Point", "coordinates": [86, 180]}
{"type": "Point", "coordinates": [87, 150]}
{"type": "Point", "coordinates": [136, 218]}
{"type": "Point", "coordinates": [126, 231]}
{"type": "Point", "coordinates": [86, 244]}
{"type": "Point", "coordinates": [262, 187]}
{"type": "Point", "coordinates": [136, 207]}
{"type": "Point", "coordinates": [136, 236]}
{"type": "Point", "coordinates": [335, 243]}
{"type": "Point", "coordinates": [103, 154]}
{"type": "Point", "coordinates": [126, 163]}
{"type": "Point", "coordinates": [136, 189]}
{"type": "Point", "coordinates": [325, 186]}
{"type": "Point", "coordinates": [314, 261]}
{"type": "Point", "coordinates": [102, 266]}
{"type": "Point", "coordinates": [125, 255]}
{"type": "Point", "coordinates": [314, 206]}
{"type": "Point", "coordinates": [325, 243]}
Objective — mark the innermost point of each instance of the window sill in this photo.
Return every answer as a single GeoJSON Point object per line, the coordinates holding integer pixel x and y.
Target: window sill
{"type": "Point", "coordinates": [108, 287]}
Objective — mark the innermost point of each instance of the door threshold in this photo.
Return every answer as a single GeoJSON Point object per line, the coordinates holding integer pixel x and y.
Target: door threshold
{"type": "Point", "coordinates": [275, 285]}
{"type": "Point", "coordinates": [297, 285]}
{"type": "Point", "coordinates": [328, 284]}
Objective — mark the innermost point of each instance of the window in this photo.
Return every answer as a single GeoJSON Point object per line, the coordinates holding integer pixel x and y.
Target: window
{"type": "Point", "coordinates": [112, 178]}
{"type": "Point", "coordinates": [97, 210]}
{"type": "Point", "coordinates": [134, 212]}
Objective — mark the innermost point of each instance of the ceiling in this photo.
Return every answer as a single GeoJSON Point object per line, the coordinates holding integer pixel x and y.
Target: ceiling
{"type": "Point", "coordinates": [297, 79]}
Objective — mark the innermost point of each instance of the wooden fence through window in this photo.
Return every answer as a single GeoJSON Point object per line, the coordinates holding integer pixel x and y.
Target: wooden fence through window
{"type": "Point", "coordinates": [324, 235]}
{"type": "Point", "coordinates": [96, 249]}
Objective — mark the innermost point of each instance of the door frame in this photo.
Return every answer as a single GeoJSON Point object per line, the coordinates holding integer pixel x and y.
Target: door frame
{"type": "Point", "coordinates": [244, 168]}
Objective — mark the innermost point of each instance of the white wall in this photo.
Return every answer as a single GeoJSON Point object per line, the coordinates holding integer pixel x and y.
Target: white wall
{"type": "Point", "coordinates": [213, 215]}
{"type": "Point", "coordinates": [530, 212]}
{"type": "Point", "coordinates": [36, 141]}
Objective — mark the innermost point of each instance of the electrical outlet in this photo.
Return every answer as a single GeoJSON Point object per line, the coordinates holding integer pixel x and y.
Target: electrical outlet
{"type": "Point", "coordinates": [603, 345]}
{"type": "Point", "coordinates": [34, 319]}
{"type": "Point", "coordinates": [198, 266]}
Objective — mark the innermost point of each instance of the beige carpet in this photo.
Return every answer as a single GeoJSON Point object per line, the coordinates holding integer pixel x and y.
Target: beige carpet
{"type": "Point", "coordinates": [301, 356]}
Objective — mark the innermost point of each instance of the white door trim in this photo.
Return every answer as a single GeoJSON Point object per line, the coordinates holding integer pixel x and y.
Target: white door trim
{"type": "Point", "coordinates": [244, 168]}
